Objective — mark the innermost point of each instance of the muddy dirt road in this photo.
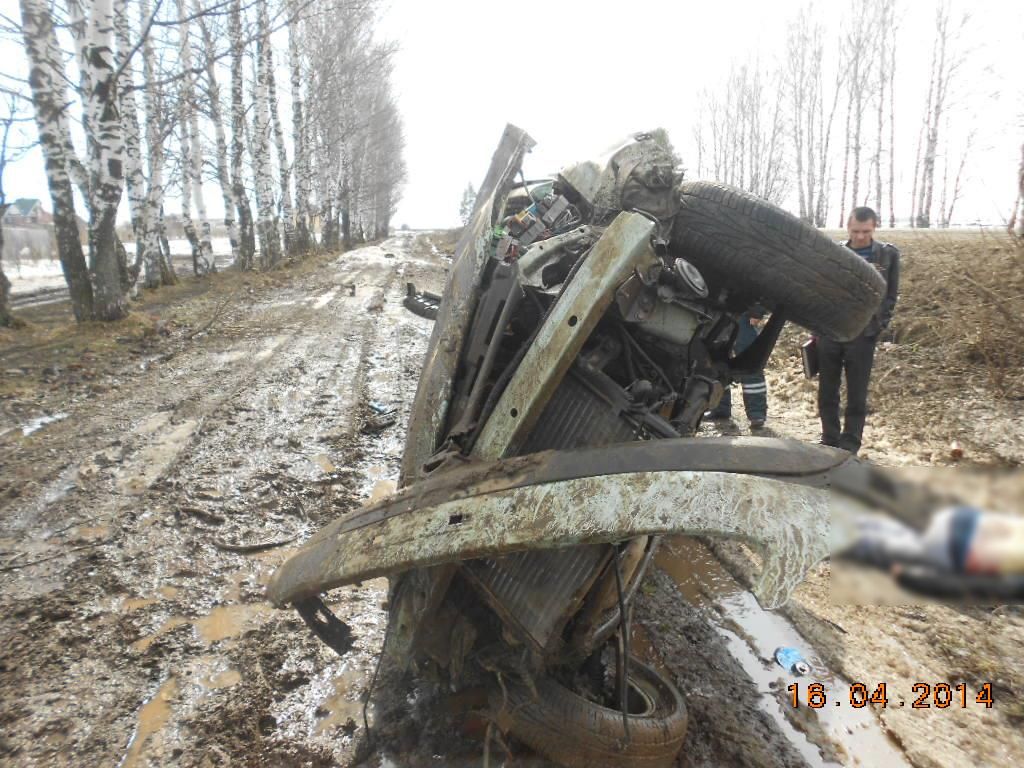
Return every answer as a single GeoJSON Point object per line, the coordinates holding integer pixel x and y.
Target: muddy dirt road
{"type": "Point", "coordinates": [142, 519]}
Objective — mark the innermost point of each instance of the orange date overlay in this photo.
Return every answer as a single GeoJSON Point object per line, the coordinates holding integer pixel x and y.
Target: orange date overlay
{"type": "Point", "coordinates": [923, 696]}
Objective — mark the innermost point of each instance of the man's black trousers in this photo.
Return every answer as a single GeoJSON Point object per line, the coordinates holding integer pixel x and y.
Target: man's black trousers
{"type": "Point", "coordinates": [854, 358]}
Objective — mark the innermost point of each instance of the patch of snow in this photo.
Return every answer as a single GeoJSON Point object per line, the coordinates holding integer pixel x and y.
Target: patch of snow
{"type": "Point", "coordinates": [38, 423]}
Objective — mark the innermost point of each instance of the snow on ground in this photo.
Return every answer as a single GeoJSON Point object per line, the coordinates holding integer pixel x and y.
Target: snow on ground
{"type": "Point", "coordinates": [30, 276]}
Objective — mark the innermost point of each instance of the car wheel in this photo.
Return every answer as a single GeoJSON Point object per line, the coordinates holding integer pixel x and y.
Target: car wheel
{"type": "Point", "coordinates": [761, 254]}
{"type": "Point", "coordinates": [570, 729]}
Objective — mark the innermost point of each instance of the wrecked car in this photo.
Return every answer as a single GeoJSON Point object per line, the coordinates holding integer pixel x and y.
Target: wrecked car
{"type": "Point", "coordinates": [585, 329]}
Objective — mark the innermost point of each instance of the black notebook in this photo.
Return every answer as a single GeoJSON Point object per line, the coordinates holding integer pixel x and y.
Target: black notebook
{"type": "Point", "coordinates": [809, 354]}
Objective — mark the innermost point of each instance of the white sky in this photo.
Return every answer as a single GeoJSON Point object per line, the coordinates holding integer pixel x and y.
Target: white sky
{"type": "Point", "coordinates": [580, 75]}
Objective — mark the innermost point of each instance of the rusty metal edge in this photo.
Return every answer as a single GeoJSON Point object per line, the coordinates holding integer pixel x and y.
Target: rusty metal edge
{"type": "Point", "coordinates": [430, 406]}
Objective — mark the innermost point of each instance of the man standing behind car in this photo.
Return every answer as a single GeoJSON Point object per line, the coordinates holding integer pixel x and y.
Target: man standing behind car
{"type": "Point", "coordinates": [855, 357]}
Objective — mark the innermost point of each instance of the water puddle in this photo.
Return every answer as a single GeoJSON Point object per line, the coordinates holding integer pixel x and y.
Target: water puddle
{"type": "Point", "coordinates": [92, 531]}
{"type": "Point", "coordinates": [227, 621]}
{"type": "Point", "coordinates": [217, 681]}
{"type": "Point", "coordinates": [323, 461]}
{"type": "Point", "coordinates": [269, 348]}
{"type": "Point", "coordinates": [152, 717]}
{"type": "Point", "coordinates": [343, 704]}
{"type": "Point", "coordinates": [752, 634]}
{"type": "Point", "coordinates": [130, 604]}
{"type": "Point", "coordinates": [381, 490]}
{"type": "Point", "coordinates": [223, 622]}
{"type": "Point", "coordinates": [136, 476]}
{"type": "Point", "coordinates": [174, 622]}
{"type": "Point", "coordinates": [38, 423]}
{"type": "Point", "coordinates": [326, 299]}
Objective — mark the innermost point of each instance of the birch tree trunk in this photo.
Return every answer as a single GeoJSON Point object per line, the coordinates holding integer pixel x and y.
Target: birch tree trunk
{"type": "Point", "coordinates": [302, 169]}
{"type": "Point", "coordinates": [892, 123]}
{"type": "Point", "coordinates": [270, 240]}
{"type": "Point", "coordinates": [943, 66]}
{"type": "Point", "coordinates": [6, 319]}
{"type": "Point", "coordinates": [216, 117]}
{"type": "Point", "coordinates": [192, 155]}
{"type": "Point", "coordinates": [879, 143]}
{"type": "Point", "coordinates": [134, 178]}
{"type": "Point", "coordinates": [1018, 229]}
{"type": "Point", "coordinates": [283, 166]}
{"type": "Point", "coordinates": [186, 195]}
{"type": "Point", "coordinates": [157, 267]}
{"type": "Point", "coordinates": [846, 169]}
{"type": "Point", "coordinates": [105, 142]}
{"type": "Point", "coordinates": [47, 80]}
{"type": "Point", "coordinates": [824, 156]}
{"type": "Point", "coordinates": [247, 236]}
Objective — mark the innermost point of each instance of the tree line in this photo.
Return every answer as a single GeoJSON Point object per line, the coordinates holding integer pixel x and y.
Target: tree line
{"type": "Point", "coordinates": [178, 97]}
{"type": "Point", "coordinates": [820, 127]}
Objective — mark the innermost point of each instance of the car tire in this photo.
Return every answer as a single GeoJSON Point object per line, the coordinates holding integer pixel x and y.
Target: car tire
{"type": "Point", "coordinates": [572, 730]}
{"type": "Point", "coordinates": [762, 255]}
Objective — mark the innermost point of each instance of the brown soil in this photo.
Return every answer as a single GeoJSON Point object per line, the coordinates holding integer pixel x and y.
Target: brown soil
{"type": "Point", "coordinates": [230, 411]}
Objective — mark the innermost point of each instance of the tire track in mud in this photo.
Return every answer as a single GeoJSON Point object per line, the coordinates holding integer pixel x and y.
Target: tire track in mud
{"type": "Point", "coordinates": [159, 636]}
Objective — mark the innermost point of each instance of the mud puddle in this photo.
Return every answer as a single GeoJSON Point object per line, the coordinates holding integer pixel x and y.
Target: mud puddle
{"type": "Point", "coordinates": [834, 735]}
{"type": "Point", "coordinates": [153, 717]}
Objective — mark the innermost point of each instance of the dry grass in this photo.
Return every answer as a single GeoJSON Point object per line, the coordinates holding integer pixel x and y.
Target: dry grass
{"type": "Point", "coordinates": [961, 310]}
{"type": "Point", "coordinates": [951, 367]}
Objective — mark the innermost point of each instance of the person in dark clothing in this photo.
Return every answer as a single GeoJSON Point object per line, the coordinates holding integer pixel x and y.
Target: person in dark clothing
{"type": "Point", "coordinates": [856, 357]}
{"type": "Point", "coordinates": [755, 389]}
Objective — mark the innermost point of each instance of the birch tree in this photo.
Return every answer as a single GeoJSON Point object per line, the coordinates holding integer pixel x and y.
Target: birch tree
{"type": "Point", "coordinates": [135, 180]}
{"type": "Point", "coordinates": [47, 80]}
{"type": "Point", "coordinates": [270, 240]}
{"type": "Point", "coordinates": [303, 171]}
{"type": "Point", "coordinates": [946, 61]}
{"type": "Point", "coordinates": [105, 151]}
{"type": "Point", "coordinates": [192, 156]}
{"type": "Point", "coordinates": [1018, 228]}
{"type": "Point", "coordinates": [283, 166]}
{"type": "Point", "coordinates": [213, 97]}
{"type": "Point", "coordinates": [802, 81]}
{"type": "Point", "coordinates": [157, 266]}
{"type": "Point", "coordinates": [746, 133]}
{"type": "Point", "coordinates": [247, 235]}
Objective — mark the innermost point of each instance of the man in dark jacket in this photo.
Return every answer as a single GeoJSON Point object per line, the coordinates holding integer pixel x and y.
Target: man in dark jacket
{"type": "Point", "coordinates": [855, 357]}
{"type": "Point", "coordinates": [755, 389]}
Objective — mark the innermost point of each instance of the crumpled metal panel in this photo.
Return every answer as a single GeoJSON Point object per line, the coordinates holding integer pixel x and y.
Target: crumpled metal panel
{"type": "Point", "coordinates": [430, 407]}
{"type": "Point", "coordinates": [792, 526]}
{"type": "Point", "coordinates": [624, 246]}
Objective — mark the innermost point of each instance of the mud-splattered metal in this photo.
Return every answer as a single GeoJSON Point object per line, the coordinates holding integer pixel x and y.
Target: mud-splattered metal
{"type": "Point", "coordinates": [757, 493]}
{"type": "Point", "coordinates": [623, 247]}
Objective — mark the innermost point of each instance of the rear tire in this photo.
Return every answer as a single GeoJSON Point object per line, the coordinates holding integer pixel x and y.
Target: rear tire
{"type": "Point", "coordinates": [761, 254]}
{"type": "Point", "coordinates": [572, 730]}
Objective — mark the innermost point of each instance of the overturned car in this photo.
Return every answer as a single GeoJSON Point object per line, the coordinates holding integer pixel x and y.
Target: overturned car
{"type": "Point", "coordinates": [586, 327]}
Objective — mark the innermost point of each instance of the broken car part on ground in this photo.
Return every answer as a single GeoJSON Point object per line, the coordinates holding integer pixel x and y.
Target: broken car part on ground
{"type": "Point", "coordinates": [585, 329]}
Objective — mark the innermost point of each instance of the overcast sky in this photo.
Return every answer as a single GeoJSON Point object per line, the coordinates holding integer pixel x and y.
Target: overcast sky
{"type": "Point", "coordinates": [580, 75]}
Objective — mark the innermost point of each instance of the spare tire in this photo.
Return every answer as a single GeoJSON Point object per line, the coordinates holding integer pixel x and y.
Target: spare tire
{"type": "Point", "coordinates": [762, 255]}
{"type": "Point", "coordinates": [572, 730]}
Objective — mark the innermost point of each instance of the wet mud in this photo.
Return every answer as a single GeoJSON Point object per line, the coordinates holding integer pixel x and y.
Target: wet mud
{"type": "Point", "coordinates": [143, 518]}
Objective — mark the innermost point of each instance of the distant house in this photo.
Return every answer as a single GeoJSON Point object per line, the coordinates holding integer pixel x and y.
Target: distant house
{"type": "Point", "coordinates": [26, 211]}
